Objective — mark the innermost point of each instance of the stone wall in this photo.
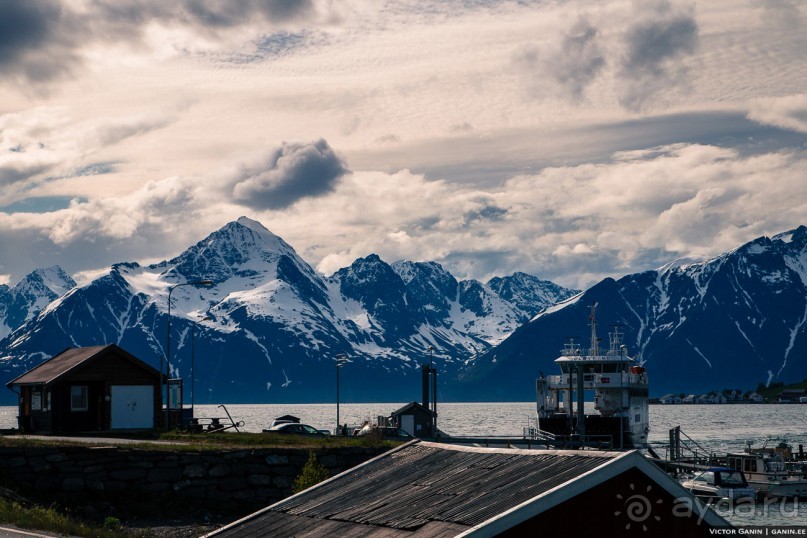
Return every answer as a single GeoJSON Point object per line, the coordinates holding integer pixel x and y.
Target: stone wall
{"type": "Point", "coordinates": [227, 479]}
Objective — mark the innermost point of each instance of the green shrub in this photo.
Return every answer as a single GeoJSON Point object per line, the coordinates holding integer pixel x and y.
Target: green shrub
{"type": "Point", "coordinates": [313, 473]}
{"type": "Point", "coordinates": [112, 523]}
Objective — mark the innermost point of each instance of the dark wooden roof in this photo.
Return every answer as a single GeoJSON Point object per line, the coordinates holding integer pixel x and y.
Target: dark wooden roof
{"type": "Point", "coordinates": [420, 490]}
{"type": "Point", "coordinates": [410, 407]}
{"type": "Point", "coordinates": [67, 361]}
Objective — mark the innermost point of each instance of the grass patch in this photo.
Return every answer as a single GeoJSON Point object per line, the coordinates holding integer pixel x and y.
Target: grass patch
{"type": "Point", "coordinates": [51, 520]}
{"type": "Point", "coordinates": [240, 440]}
{"type": "Point", "coordinates": [184, 442]}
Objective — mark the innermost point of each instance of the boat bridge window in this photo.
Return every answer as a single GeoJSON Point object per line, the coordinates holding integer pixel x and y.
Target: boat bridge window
{"type": "Point", "coordinates": [750, 466]}
{"type": "Point", "coordinates": [732, 479]}
{"type": "Point", "coordinates": [708, 477]}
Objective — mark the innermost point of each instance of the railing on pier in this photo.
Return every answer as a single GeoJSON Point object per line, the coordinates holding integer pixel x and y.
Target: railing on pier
{"type": "Point", "coordinates": [551, 440]}
{"type": "Point", "coordinates": [688, 449]}
{"type": "Point", "coordinates": [537, 434]}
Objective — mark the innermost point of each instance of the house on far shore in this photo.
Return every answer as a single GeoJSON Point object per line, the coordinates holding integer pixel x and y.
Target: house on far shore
{"type": "Point", "coordinates": [791, 395]}
{"type": "Point", "coordinates": [669, 399]}
{"type": "Point", "coordinates": [439, 490]}
{"type": "Point", "coordinates": [755, 397]}
{"type": "Point", "coordinates": [87, 389]}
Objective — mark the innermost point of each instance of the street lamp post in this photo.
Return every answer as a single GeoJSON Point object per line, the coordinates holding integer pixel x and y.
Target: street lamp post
{"type": "Point", "coordinates": [340, 360]}
{"type": "Point", "coordinates": [193, 361]}
{"type": "Point", "coordinates": [433, 373]}
{"type": "Point", "coordinates": [171, 289]}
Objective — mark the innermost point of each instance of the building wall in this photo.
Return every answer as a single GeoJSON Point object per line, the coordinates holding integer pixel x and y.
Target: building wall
{"type": "Point", "coordinates": [630, 504]}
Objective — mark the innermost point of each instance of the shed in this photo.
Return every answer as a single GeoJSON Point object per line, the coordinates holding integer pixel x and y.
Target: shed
{"type": "Point", "coordinates": [414, 419]}
{"type": "Point", "coordinates": [94, 388]}
{"type": "Point", "coordinates": [430, 490]}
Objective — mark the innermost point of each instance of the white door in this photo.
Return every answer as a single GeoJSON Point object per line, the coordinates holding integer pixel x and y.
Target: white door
{"type": "Point", "coordinates": [408, 424]}
{"type": "Point", "coordinates": [132, 406]}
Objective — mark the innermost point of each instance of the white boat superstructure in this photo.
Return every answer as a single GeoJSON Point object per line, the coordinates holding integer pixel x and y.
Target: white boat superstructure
{"type": "Point", "coordinates": [768, 473]}
{"type": "Point", "coordinates": [619, 385]}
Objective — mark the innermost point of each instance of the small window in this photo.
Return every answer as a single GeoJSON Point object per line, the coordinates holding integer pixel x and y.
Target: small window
{"type": "Point", "coordinates": [36, 400]}
{"type": "Point", "coordinates": [78, 398]}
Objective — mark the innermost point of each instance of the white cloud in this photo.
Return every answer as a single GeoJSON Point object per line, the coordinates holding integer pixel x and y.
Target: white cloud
{"type": "Point", "coordinates": [786, 112]}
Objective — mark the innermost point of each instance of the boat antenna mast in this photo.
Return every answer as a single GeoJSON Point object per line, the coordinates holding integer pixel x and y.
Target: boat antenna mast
{"type": "Point", "coordinates": [592, 318]}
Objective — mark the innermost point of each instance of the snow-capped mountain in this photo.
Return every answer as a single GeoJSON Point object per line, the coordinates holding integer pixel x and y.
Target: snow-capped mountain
{"type": "Point", "coordinates": [526, 292]}
{"type": "Point", "coordinates": [730, 322]}
{"type": "Point", "coordinates": [269, 327]}
{"type": "Point", "coordinates": [30, 295]}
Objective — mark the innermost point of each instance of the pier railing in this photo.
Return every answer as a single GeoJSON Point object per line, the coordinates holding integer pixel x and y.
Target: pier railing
{"type": "Point", "coordinates": [687, 449]}
{"type": "Point", "coordinates": [568, 441]}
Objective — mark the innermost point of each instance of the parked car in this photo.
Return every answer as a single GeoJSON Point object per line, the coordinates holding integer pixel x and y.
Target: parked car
{"type": "Point", "coordinates": [279, 421]}
{"type": "Point", "coordinates": [292, 428]}
{"type": "Point", "coordinates": [385, 432]}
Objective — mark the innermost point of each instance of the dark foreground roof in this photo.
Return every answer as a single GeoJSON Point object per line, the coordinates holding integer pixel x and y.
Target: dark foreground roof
{"type": "Point", "coordinates": [54, 368]}
{"type": "Point", "coordinates": [435, 490]}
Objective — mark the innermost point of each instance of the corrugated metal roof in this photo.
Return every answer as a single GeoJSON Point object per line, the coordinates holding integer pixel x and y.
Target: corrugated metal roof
{"type": "Point", "coordinates": [54, 368]}
{"type": "Point", "coordinates": [409, 491]}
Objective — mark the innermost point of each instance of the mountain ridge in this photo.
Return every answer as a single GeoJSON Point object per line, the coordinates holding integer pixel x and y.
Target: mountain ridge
{"type": "Point", "coordinates": [271, 322]}
{"type": "Point", "coordinates": [729, 322]}
{"type": "Point", "coordinates": [270, 327]}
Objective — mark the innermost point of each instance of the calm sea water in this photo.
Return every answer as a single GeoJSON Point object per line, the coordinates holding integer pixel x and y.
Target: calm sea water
{"type": "Point", "coordinates": [718, 428]}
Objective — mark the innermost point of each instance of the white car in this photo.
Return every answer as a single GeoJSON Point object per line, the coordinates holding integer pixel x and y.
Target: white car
{"type": "Point", "coordinates": [293, 428]}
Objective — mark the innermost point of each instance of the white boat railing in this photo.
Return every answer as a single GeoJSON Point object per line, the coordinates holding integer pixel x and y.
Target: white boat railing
{"type": "Point", "coordinates": [615, 379]}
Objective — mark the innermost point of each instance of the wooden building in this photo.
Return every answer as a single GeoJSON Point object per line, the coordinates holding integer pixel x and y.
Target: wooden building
{"type": "Point", "coordinates": [86, 389]}
{"type": "Point", "coordinates": [414, 419]}
{"type": "Point", "coordinates": [431, 490]}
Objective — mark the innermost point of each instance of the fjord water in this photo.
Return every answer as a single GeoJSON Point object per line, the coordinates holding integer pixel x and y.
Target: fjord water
{"type": "Point", "coordinates": [718, 428]}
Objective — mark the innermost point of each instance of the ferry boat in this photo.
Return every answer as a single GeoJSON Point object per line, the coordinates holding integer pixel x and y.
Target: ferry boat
{"type": "Point", "coordinates": [620, 388]}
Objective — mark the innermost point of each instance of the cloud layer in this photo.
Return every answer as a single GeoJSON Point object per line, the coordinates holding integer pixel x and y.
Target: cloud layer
{"type": "Point", "coordinates": [573, 141]}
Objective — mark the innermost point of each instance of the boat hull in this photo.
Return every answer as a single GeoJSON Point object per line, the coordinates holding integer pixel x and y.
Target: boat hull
{"type": "Point", "coordinates": [791, 489]}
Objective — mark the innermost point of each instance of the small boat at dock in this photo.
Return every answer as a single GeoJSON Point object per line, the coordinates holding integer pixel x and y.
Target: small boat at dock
{"type": "Point", "coordinates": [720, 483]}
{"type": "Point", "coordinates": [770, 472]}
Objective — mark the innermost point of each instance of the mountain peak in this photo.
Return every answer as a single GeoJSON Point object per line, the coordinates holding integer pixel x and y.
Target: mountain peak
{"type": "Point", "coordinates": [30, 295]}
{"type": "Point", "coordinates": [45, 279]}
{"type": "Point", "coordinates": [799, 235]}
{"type": "Point", "coordinates": [242, 247]}
{"type": "Point", "coordinates": [253, 225]}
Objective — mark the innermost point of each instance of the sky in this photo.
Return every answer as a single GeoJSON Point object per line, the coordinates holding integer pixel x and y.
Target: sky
{"type": "Point", "coordinates": [572, 140]}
